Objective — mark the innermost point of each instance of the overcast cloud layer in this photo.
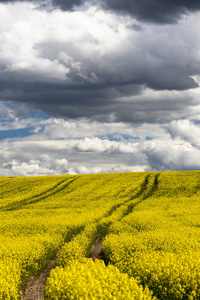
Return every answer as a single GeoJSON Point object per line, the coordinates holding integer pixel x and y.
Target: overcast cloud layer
{"type": "Point", "coordinates": [165, 11]}
{"type": "Point", "coordinates": [117, 80]}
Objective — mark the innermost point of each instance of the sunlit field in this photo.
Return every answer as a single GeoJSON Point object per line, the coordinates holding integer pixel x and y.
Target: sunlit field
{"type": "Point", "coordinates": [150, 223]}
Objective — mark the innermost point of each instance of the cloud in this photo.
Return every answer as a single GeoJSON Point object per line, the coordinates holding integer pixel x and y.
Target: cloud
{"type": "Point", "coordinates": [45, 166]}
{"type": "Point", "coordinates": [121, 90]}
{"type": "Point", "coordinates": [93, 155]}
{"type": "Point", "coordinates": [53, 128]}
{"type": "Point", "coordinates": [82, 147]}
{"type": "Point", "coordinates": [89, 155]}
{"type": "Point", "coordinates": [153, 11]}
{"type": "Point", "coordinates": [185, 130]}
{"type": "Point", "coordinates": [178, 155]}
{"type": "Point", "coordinates": [164, 12]}
{"type": "Point", "coordinates": [12, 110]}
{"type": "Point", "coordinates": [93, 64]}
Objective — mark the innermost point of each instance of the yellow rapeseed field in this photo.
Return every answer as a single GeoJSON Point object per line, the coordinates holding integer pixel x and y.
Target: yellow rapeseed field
{"type": "Point", "coordinates": [39, 214]}
{"type": "Point", "coordinates": [151, 222]}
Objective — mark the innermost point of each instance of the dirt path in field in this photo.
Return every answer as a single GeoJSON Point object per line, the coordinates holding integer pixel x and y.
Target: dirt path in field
{"type": "Point", "coordinates": [96, 251]}
{"type": "Point", "coordinates": [36, 284]}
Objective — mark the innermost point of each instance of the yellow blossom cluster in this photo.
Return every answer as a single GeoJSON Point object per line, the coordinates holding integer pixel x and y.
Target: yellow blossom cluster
{"type": "Point", "coordinates": [83, 280]}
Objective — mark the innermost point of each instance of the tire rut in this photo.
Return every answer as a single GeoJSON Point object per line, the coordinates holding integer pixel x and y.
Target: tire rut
{"type": "Point", "coordinates": [143, 195]}
{"type": "Point", "coordinates": [96, 250]}
{"type": "Point", "coordinates": [37, 198]}
{"type": "Point", "coordinates": [156, 184]}
{"type": "Point", "coordinates": [115, 207]}
{"type": "Point", "coordinates": [35, 286]}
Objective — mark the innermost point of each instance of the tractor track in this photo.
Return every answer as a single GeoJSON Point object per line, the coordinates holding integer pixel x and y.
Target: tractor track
{"type": "Point", "coordinates": [37, 198]}
{"type": "Point", "coordinates": [144, 197]}
{"type": "Point", "coordinates": [35, 285]}
{"type": "Point", "coordinates": [135, 196]}
{"type": "Point", "coordinates": [96, 250]}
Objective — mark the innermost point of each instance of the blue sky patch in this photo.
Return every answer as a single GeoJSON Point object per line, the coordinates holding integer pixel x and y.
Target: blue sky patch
{"type": "Point", "coordinates": [15, 133]}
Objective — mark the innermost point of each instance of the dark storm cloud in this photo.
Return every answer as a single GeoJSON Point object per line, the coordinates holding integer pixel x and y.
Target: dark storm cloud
{"type": "Point", "coordinates": [91, 64]}
{"type": "Point", "coordinates": [102, 103]}
{"type": "Point", "coordinates": [14, 1]}
{"type": "Point", "coordinates": [123, 70]}
{"type": "Point", "coordinates": [64, 5]}
{"type": "Point", "coordinates": [165, 11]}
{"type": "Point", "coordinates": [81, 97]}
{"type": "Point", "coordinates": [97, 88]}
{"type": "Point", "coordinates": [157, 11]}
{"type": "Point", "coordinates": [67, 5]}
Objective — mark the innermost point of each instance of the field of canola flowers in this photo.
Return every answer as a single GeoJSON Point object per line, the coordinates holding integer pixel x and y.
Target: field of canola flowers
{"type": "Point", "coordinates": [150, 220]}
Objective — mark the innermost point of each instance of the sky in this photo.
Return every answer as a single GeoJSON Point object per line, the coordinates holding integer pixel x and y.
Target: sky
{"type": "Point", "coordinates": [99, 86]}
